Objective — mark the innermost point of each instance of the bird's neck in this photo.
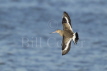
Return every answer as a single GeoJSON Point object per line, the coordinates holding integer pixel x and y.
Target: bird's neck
{"type": "Point", "coordinates": [61, 32]}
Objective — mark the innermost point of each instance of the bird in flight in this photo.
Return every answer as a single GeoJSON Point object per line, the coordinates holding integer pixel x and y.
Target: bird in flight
{"type": "Point", "coordinates": [67, 34]}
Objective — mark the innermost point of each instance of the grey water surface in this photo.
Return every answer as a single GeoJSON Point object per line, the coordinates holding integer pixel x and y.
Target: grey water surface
{"type": "Point", "coordinates": [26, 45]}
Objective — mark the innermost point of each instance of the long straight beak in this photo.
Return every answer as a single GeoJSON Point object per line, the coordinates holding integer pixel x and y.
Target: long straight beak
{"type": "Point", "coordinates": [53, 32]}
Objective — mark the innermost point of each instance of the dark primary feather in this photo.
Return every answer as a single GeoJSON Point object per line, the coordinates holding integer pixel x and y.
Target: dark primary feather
{"type": "Point", "coordinates": [64, 20]}
{"type": "Point", "coordinates": [66, 25]}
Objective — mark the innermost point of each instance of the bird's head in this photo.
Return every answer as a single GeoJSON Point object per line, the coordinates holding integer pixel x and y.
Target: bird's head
{"type": "Point", "coordinates": [57, 31]}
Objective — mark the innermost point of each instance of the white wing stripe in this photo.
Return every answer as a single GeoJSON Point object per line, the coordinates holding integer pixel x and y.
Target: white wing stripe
{"type": "Point", "coordinates": [67, 19]}
{"type": "Point", "coordinates": [68, 23]}
{"type": "Point", "coordinates": [67, 45]}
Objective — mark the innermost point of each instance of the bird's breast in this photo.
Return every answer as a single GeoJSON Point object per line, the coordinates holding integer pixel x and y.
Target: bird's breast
{"type": "Point", "coordinates": [68, 34]}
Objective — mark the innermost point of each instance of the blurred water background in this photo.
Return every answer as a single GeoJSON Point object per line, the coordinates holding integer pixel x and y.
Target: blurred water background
{"type": "Point", "coordinates": [26, 45]}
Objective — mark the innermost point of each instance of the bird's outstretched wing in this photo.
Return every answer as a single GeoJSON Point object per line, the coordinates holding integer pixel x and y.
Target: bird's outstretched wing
{"type": "Point", "coordinates": [66, 21]}
{"type": "Point", "coordinates": [66, 43]}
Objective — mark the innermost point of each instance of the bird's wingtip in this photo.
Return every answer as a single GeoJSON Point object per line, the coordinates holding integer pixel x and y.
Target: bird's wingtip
{"type": "Point", "coordinates": [64, 12]}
